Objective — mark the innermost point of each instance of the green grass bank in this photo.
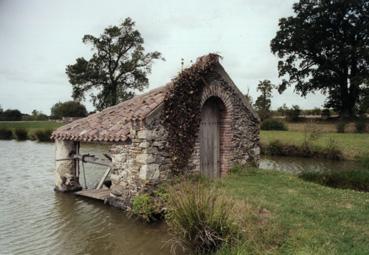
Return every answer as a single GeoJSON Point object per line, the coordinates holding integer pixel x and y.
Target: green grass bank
{"type": "Point", "coordinates": [314, 219]}
{"type": "Point", "coordinates": [352, 145]}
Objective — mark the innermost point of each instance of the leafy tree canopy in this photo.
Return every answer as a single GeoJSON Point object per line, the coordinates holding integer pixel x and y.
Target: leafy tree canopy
{"type": "Point", "coordinates": [325, 47]}
{"type": "Point", "coordinates": [263, 102]}
{"type": "Point", "coordinates": [68, 109]}
{"type": "Point", "coordinates": [118, 66]}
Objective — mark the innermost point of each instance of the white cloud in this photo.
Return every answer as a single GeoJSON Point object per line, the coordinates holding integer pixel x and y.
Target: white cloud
{"type": "Point", "coordinates": [39, 38]}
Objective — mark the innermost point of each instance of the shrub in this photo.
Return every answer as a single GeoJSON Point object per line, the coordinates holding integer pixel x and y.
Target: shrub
{"type": "Point", "coordinates": [148, 207]}
{"type": "Point", "coordinates": [306, 149]}
{"type": "Point", "coordinates": [326, 114]}
{"type": "Point", "coordinates": [199, 219]}
{"type": "Point", "coordinates": [360, 125]}
{"type": "Point", "coordinates": [273, 124]}
{"type": "Point", "coordinates": [331, 151]}
{"type": "Point", "coordinates": [340, 126]}
{"type": "Point", "coordinates": [352, 179]}
{"type": "Point", "coordinates": [20, 134]}
{"type": "Point", "coordinates": [6, 134]}
{"type": "Point", "coordinates": [42, 135]}
{"type": "Point", "coordinates": [293, 113]}
{"type": "Point", "coordinates": [143, 206]}
{"type": "Point", "coordinates": [68, 109]}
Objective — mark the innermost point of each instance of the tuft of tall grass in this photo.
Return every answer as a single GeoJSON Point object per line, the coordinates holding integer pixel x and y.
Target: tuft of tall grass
{"type": "Point", "coordinates": [21, 134]}
{"type": "Point", "coordinates": [43, 135]}
{"type": "Point", "coordinates": [203, 220]}
{"type": "Point", "coordinates": [5, 134]}
{"type": "Point", "coordinates": [199, 219]}
{"type": "Point", "coordinates": [350, 179]}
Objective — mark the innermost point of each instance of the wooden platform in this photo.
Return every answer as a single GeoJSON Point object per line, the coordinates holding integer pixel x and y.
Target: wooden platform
{"type": "Point", "coordinates": [98, 194]}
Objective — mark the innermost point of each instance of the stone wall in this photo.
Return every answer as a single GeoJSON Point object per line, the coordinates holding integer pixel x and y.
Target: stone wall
{"type": "Point", "coordinates": [141, 162]}
{"type": "Point", "coordinates": [239, 126]}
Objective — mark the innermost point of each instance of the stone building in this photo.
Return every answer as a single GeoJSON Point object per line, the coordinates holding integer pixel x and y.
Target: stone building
{"type": "Point", "coordinates": [227, 135]}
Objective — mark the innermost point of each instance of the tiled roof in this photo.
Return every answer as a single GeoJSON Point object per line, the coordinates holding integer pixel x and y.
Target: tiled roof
{"type": "Point", "coordinates": [113, 123]}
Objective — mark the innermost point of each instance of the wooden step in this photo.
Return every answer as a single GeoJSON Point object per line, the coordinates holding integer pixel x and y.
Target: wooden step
{"type": "Point", "coordinates": [99, 194]}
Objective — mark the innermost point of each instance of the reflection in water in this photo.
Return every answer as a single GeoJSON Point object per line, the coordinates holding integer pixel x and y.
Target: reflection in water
{"type": "Point", "coordinates": [36, 220]}
{"type": "Point", "coordinates": [297, 165]}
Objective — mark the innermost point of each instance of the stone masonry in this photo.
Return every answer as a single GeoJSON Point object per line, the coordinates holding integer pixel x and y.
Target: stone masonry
{"type": "Point", "coordinates": [139, 148]}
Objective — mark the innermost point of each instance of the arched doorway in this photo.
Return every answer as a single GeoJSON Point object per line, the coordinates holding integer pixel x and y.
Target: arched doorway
{"type": "Point", "coordinates": [211, 117]}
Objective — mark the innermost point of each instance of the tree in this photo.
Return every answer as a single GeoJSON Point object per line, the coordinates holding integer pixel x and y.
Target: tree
{"type": "Point", "coordinates": [11, 115]}
{"type": "Point", "coordinates": [282, 110]}
{"type": "Point", "coordinates": [363, 103]}
{"type": "Point", "coordinates": [118, 66]}
{"type": "Point", "coordinates": [38, 115]}
{"type": "Point", "coordinates": [68, 109]}
{"type": "Point", "coordinates": [248, 97]}
{"type": "Point", "coordinates": [263, 102]}
{"type": "Point", "coordinates": [324, 47]}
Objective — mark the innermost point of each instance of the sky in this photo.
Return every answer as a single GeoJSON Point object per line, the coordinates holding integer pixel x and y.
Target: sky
{"type": "Point", "coordinates": [38, 39]}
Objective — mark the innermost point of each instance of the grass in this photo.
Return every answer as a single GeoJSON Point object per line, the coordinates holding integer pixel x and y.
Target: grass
{"type": "Point", "coordinates": [324, 126]}
{"type": "Point", "coordinates": [315, 219]}
{"type": "Point", "coordinates": [199, 218]}
{"type": "Point", "coordinates": [30, 126]}
{"type": "Point", "coordinates": [350, 179]}
{"type": "Point", "coordinates": [352, 145]}
{"type": "Point", "coordinates": [34, 130]}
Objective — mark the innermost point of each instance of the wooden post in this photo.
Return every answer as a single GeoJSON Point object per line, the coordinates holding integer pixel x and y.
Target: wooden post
{"type": "Point", "coordinates": [66, 176]}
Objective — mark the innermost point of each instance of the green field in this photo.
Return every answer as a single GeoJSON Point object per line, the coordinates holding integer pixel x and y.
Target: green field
{"type": "Point", "coordinates": [314, 219]}
{"type": "Point", "coordinates": [30, 125]}
{"type": "Point", "coordinates": [352, 145]}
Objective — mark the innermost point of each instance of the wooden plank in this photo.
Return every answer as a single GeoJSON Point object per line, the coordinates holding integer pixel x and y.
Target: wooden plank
{"type": "Point", "coordinates": [98, 194]}
{"type": "Point", "coordinates": [101, 183]}
{"type": "Point", "coordinates": [210, 139]}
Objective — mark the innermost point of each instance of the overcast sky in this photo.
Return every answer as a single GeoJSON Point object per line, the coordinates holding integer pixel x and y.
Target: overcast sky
{"type": "Point", "coordinates": [39, 38]}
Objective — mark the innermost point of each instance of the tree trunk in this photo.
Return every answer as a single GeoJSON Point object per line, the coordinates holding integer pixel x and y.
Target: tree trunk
{"type": "Point", "coordinates": [114, 94]}
{"type": "Point", "coordinates": [348, 105]}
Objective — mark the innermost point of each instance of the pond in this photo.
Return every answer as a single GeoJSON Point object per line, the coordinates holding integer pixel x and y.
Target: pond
{"type": "Point", "coordinates": [297, 165]}
{"type": "Point", "coordinates": [36, 220]}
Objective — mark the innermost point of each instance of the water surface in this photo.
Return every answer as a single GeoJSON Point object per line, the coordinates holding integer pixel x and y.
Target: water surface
{"type": "Point", "coordinates": [36, 220]}
{"type": "Point", "coordinates": [297, 165]}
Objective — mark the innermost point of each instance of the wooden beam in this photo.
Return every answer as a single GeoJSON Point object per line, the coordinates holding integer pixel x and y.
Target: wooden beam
{"type": "Point", "coordinates": [101, 183]}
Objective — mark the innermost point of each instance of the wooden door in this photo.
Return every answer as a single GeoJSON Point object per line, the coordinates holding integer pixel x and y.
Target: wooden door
{"type": "Point", "coordinates": [209, 140]}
